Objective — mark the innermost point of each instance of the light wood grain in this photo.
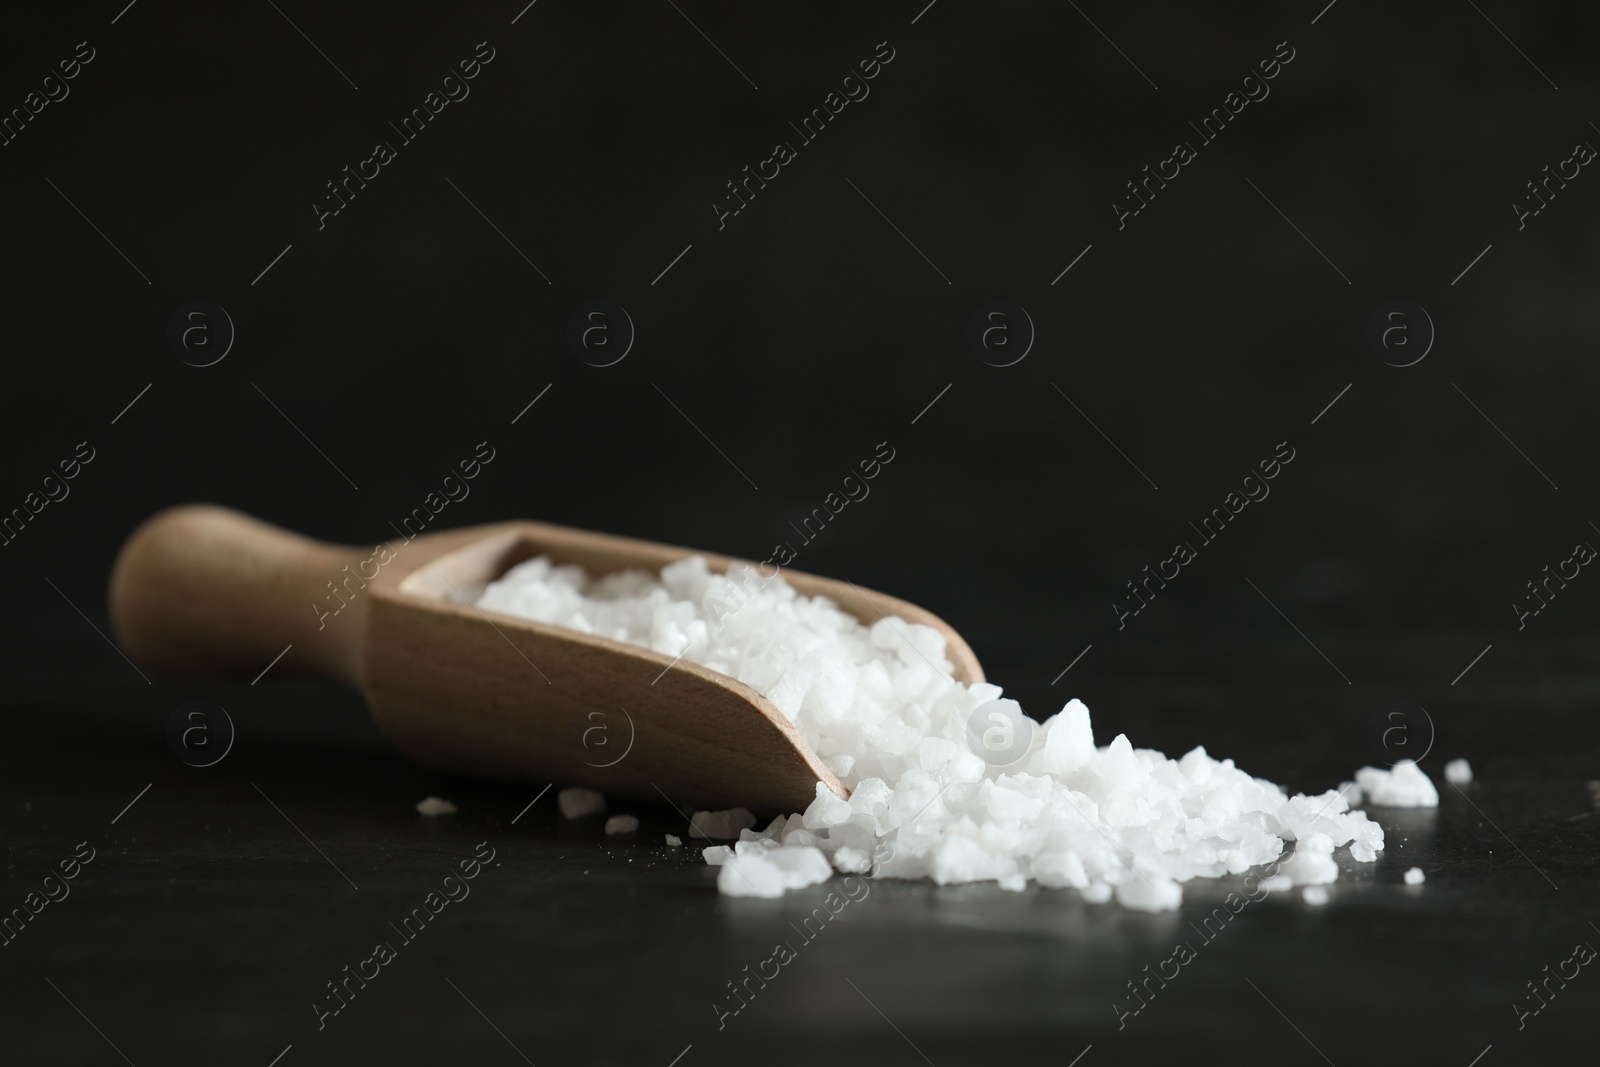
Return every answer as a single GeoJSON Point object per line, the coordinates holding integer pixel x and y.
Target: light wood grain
{"type": "Point", "coordinates": [202, 589]}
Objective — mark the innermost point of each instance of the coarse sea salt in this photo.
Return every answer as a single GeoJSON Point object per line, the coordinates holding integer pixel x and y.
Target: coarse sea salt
{"type": "Point", "coordinates": [880, 706]}
{"type": "Point", "coordinates": [1458, 772]}
{"type": "Point", "coordinates": [433, 807]}
{"type": "Point", "coordinates": [1406, 786]}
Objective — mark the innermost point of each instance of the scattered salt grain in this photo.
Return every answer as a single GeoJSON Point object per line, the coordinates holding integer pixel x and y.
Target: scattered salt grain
{"type": "Point", "coordinates": [1414, 876]}
{"type": "Point", "coordinates": [1458, 772]}
{"type": "Point", "coordinates": [1278, 883]}
{"type": "Point", "coordinates": [720, 825]}
{"type": "Point", "coordinates": [674, 840]}
{"type": "Point", "coordinates": [772, 872]}
{"type": "Point", "coordinates": [880, 706]}
{"type": "Point", "coordinates": [433, 807]}
{"type": "Point", "coordinates": [621, 824]}
{"type": "Point", "coordinates": [1314, 895]}
{"type": "Point", "coordinates": [577, 802]}
{"type": "Point", "coordinates": [1406, 786]}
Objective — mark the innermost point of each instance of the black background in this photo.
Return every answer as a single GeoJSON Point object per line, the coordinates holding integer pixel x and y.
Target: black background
{"type": "Point", "coordinates": [796, 339]}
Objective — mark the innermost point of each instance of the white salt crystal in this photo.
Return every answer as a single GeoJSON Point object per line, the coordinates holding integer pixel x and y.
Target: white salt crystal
{"type": "Point", "coordinates": [1117, 766]}
{"type": "Point", "coordinates": [1314, 895]}
{"type": "Point", "coordinates": [1315, 842]}
{"type": "Point", "coordinates": [1057, 869]}
{"type": "Point", "coordinates": [674, 840]}
{"type": "Point", "coordinates": [772, 872]}
{"type": "Point", "coordinates": [959, 858]}
{"type": "Point", "coordinates": [799, 835]}
{"type": "Point", "coordinates": [1312, 862]}
{"type": "Point", "coordinates": [1195, 765]}
{"type": "Point", "coordinates": [871, 798]}
{"type": "Point", "coordinates": [751, 876]}
{"type": "Point", "coordinates": [848, 860]}
{"type": "Point", "coordinates": [1278, 883]}
{"type": "Point", "coordinates": [1068, 740]}
{"type": "Point", "coordinates": [880, 707]}
{"type": "Point", "coordinates": [826, 810]}
{"type": "Point", "coordinates": [720, 825]}
{"type": "Point", "coordinates": [1406, 786]}
{"type": "Point", "coordinates": [801, 866]}
{"type": "Point", "coordinates": [1149, 894]}
{"type": "Point", "coordinates": [621, 824]}
{"type": "Point", "coordinates": [433, 807]}
{"type": "Point", "coordinates": [1458, 772]}
{"type": "Point", "coordinates": [1414, 876]}
{"type": "Point", "coordinates": [577, 802]}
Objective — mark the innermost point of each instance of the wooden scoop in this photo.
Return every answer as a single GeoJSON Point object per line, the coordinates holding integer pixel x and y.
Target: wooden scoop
{"type": "Point", "coordinates": [203, 589]}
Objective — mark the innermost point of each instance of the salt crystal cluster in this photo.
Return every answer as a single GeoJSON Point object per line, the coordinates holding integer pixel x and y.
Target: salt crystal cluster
{"type": "Point", "coordinates": [757, 867]}
{"type": "Point", "coordinates": [880, 707]}
{"type": "Point", "coordinates": [1406, 786]}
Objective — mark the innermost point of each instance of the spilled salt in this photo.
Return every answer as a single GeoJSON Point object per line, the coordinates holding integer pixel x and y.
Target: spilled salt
{"type": "Point", "coordinates": [949, 781]}
{"type": "Point", "coordinates": [1405, 786]}
{"type": "Point", "coordinates": [433, 807]}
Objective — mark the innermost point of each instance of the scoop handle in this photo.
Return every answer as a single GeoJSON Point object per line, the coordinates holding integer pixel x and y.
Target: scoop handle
{"type": "Point", "coordinates": [205, 590]}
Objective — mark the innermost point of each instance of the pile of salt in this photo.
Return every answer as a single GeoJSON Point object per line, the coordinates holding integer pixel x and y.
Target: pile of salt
{"type": "Point", "coordinates": [879, 704]}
